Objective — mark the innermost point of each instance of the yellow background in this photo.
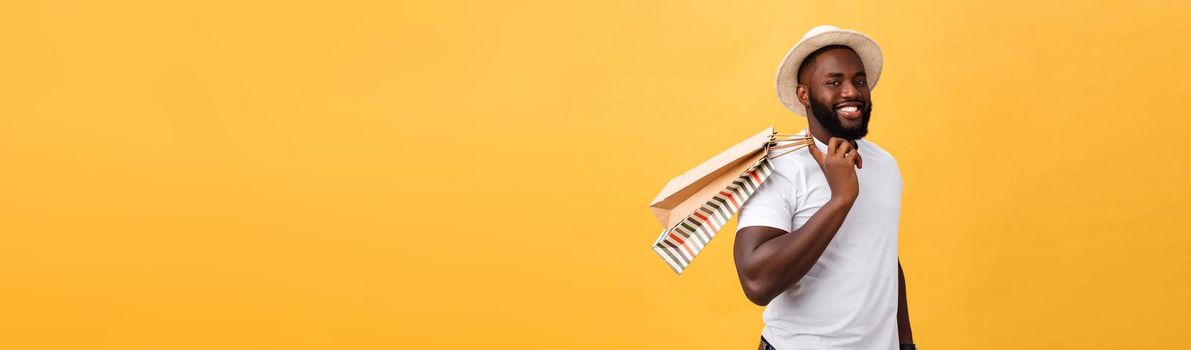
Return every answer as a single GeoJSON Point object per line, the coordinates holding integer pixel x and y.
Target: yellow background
{"type": "Point", "coordinates": [379, 175]}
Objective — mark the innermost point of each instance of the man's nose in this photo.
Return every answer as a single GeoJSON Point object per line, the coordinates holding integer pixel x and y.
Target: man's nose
{"type": "Point", "coordinates": [849, 91]}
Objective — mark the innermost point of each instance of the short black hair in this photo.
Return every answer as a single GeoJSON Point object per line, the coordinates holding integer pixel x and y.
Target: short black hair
{"type": "Point", "coordinates": [811, 58]}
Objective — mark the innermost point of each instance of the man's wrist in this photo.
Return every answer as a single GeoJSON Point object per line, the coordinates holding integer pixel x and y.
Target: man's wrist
{"type": "Point", "coordinates": [842, 202]}
{"type": "Point", "coordinates": [908, 346]}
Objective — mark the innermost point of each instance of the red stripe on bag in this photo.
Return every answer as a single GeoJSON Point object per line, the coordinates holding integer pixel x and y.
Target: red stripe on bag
{"type": "Point", "coordinates": [683, 245]}
{"type": "Point", "coordinates": [729, 195]}
{"type": "Point", "coordinates": [675, 238]}
{"type": "Point", "coordinates": [705, 219]}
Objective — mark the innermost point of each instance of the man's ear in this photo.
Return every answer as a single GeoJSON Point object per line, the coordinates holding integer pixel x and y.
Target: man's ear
{"type": "Point", "coordinates": [803, 94]}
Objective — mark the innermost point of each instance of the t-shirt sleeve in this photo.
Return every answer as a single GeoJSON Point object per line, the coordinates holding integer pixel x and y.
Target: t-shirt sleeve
{"type": "Point", "coordinates": [770, 205]}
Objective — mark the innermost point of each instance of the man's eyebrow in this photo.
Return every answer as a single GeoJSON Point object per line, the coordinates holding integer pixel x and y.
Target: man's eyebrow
{"type": "Point", "coordinates": [838, 74]}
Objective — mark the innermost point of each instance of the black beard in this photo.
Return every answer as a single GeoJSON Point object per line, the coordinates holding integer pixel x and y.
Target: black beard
{"type": "Point", "coordinates": [830, 121]}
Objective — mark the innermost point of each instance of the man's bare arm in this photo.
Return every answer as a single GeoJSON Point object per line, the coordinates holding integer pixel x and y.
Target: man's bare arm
{"type": "Point", "coordinates": [770, 260]}
{"type": "Point", "coordinates": [904, 335]}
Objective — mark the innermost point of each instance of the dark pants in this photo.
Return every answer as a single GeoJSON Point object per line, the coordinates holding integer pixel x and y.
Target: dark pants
{"type": "Point", "coordinates": [765, 345]}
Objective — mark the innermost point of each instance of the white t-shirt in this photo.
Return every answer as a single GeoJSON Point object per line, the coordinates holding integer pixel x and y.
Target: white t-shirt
{"type": "Point", "coordinates": [848, 299]}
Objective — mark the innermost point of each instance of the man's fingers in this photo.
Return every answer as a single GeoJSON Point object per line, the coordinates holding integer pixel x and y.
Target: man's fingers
{"type": "Point", "coordinates": [837, 147]}
{"type": "Point", "coordinates": [845, 147]}
{"type": "Point", "coordinates": [816, 153]}
{"type": "Point", "coordinates": [852, 157]}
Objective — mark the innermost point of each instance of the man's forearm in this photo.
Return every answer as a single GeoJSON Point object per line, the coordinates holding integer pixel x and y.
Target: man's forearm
{"type": "Point", "coordinates": [905, 336]}
{"type": "Point", "coordinates": [781, 261]}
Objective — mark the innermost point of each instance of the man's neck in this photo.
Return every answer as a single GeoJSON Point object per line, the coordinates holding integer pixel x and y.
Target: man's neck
{"type": "Point", "coordinates": [820, 133]}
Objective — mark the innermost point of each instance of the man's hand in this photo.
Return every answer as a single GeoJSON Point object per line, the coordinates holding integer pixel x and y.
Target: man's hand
{"type": "Point", "coordinates": [770, 260]}
{"type": "Point", "coordinates": [837, 166]}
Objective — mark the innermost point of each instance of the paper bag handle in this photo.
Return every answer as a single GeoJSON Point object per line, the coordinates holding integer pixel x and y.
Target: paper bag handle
{"type": "Point", "coordinates": [796, 142]}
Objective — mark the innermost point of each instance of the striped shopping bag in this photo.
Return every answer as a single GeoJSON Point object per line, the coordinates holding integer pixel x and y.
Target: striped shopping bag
{"type": "Point", "coordinates": [695, 205]}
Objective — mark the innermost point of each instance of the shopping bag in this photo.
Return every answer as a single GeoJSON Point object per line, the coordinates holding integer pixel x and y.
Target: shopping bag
{"type": "Point", "coordinates": [695, 205]}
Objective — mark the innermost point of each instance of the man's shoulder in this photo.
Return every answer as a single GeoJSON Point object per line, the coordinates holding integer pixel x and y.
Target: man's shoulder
{"type": "Point", "coordinates": [878, 160]}
{"type": "Point", "coordinates": [881, 152]}
{"type": "Point", "coordinates": [793, 165]}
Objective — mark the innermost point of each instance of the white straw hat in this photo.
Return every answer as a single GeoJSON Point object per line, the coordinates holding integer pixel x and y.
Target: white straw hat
{"type": "Point", "coordinates": [816, 38]}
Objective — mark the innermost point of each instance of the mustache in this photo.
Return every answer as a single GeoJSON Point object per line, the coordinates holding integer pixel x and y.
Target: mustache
{"type": "Point", "coordinates": [862, 103]}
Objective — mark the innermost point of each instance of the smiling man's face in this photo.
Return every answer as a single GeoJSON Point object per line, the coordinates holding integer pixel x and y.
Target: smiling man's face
{"type": "Point", "coordinates": [833, 85]}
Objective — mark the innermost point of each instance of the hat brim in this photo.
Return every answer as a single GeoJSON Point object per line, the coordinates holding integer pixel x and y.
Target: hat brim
{"type": "Point", "coordinates": [787, 72]}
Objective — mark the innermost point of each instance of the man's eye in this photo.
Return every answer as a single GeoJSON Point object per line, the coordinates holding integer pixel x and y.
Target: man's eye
{"type": "Point", "coordinates": [832, 83]}
{"type": "Point", "coordinates": [861, 82]}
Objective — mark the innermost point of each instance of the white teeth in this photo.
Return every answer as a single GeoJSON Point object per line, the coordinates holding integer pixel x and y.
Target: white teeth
{"type": "Point", "coordinates": [849, 109]}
